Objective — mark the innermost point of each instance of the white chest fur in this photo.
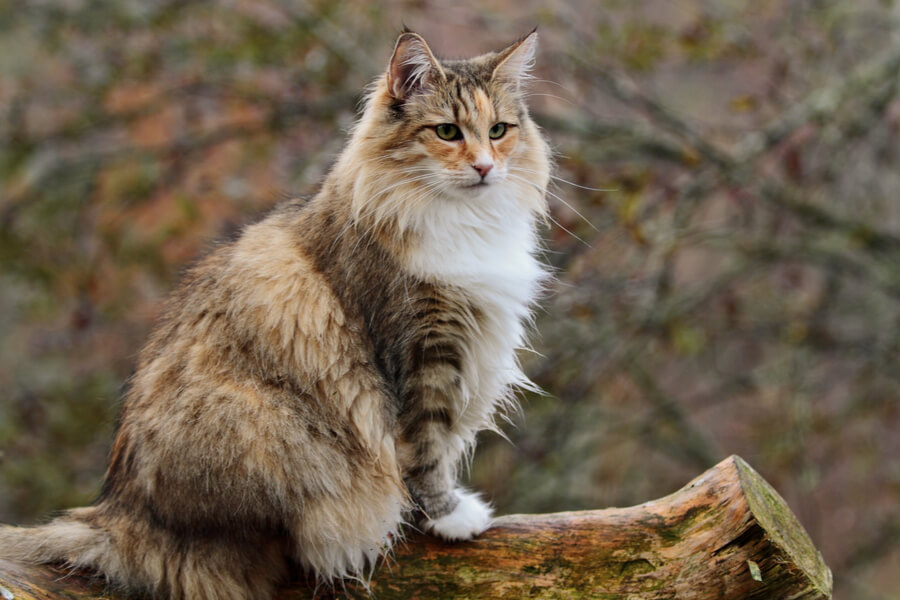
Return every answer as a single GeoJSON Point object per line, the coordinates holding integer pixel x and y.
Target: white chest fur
{"type": "Point", "coordinates": [485, 248]}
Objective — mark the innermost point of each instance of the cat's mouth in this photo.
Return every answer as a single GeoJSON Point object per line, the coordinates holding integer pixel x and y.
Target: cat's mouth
{"type": "Point", "coordinates": [481, 184]}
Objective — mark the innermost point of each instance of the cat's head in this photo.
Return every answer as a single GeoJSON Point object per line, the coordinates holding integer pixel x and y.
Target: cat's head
{"type": "Point", "coordinates": [449, 131]}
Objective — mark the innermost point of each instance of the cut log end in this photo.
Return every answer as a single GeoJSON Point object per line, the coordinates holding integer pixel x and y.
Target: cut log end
{"type": "Point", "coordinates": [782, 527]}
{"type": "Point", "coordinates": [726, 535]}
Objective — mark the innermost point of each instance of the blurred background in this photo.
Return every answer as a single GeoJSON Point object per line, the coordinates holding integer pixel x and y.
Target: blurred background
{"type": "Point", "coordinates": [731, 284]}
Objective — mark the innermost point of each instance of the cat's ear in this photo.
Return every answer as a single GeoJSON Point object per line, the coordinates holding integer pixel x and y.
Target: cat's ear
{"type": "Point", "coordinates": [514, 63]}
{"type": "Point", "coordinates": [412, 68]}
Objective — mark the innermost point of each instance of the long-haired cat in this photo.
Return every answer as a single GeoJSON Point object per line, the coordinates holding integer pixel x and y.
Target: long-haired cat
{"type": "Point", "coordinates": [315, 384]}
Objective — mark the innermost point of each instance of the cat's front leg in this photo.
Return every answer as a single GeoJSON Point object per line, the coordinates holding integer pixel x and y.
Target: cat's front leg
{"type": "Point", "coordinates": [470, 517]}
{"type": "Point", "coordinates": [448, 510]}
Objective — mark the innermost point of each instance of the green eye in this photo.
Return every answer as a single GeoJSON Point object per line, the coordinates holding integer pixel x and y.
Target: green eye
{"type": "Point", "coordinates": [497, 131]}
{"type": "Point", "coordinates": [448, 131]}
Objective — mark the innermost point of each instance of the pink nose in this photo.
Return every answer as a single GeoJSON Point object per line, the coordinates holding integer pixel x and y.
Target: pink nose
{"type": "Point", "coordinates": [483, 168]}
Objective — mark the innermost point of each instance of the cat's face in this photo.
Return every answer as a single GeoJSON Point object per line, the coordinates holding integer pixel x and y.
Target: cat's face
{"type": "Point", "coordinates": [458, 130]}
{"type": "Point", "coordinates": [468, 135]}
{"type": "Point", "coordinates": [461, 121]}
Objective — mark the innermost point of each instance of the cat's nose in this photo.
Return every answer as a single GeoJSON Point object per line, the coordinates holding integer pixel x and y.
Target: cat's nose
{"type": "Point", "coordinates": [483, 168]}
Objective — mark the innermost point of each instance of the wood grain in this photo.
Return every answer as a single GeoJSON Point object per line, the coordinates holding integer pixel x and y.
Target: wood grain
{"type": "Point", "coordinates": [726, 535]}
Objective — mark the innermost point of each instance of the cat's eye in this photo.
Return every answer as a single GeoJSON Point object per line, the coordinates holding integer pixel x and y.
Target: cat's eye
{"type": "Point", "coordinates": [497, 131]}
{"type": "Point", "coordinates": [448, 131]}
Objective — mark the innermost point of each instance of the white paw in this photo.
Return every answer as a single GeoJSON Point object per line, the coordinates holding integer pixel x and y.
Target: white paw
{"type": "Point", "coordinates": [470, 517]}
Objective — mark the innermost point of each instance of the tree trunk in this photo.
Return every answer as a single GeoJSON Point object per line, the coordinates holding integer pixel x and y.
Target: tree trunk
{"type": "Point", "coordinates": [727, 535]}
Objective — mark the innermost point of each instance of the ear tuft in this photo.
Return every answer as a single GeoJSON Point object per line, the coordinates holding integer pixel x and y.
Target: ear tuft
{"type": "Point", "coordinates": [412, 68]}
{"type": "Point", "coordinates": [514, 63]}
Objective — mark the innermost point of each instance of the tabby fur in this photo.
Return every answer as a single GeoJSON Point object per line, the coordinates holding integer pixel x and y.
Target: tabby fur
{"type": "Point", "coordinates": [315, 384]}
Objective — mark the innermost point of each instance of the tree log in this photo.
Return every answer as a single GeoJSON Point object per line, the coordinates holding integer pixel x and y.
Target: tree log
{"type": "Point", "coordinates": [727, 535]}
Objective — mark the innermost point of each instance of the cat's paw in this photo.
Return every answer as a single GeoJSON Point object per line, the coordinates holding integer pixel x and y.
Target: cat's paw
{"type": "Point", "coordinates": [470, 517]}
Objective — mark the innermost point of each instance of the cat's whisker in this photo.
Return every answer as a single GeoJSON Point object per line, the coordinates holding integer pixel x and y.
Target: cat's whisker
{"type": "Point", "coordinates": [412, 193]}
{"type": "Point", "coordinates": [424, 193]}
{"type": "Point", "coordinates": [560, 98]}
{"type": "Point", "coordinates": [583, 187]}
{"type": "Point", "coordinates": [377, 204]}
{"type": "Point", "coordinates": [399, 183]}
{"type": "Point", "coordinates": [563, 227]}
{"type": "Point", "coordinates": [558, 178]}
{"type": "Point", "coordinates": [572, 208]}
{"type": "Point", "coordinates": [551, 82]}
{"type": "Point", "coordinates": [575, 210]}
{"type": "Point", "coordinates": [362, 217]}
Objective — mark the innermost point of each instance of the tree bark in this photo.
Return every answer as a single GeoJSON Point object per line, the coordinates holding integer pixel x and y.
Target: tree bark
{"type": "Point", "coordinates": [727, 535]}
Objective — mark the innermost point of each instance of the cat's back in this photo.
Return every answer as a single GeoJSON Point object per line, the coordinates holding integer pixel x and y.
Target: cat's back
{"type": "Point", "coordinates": [257, 356]}
{"type": "Point", "coordinates": [258, 308]}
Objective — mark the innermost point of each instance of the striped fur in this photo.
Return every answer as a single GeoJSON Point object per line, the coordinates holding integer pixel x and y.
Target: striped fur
{"type": "Point", "coordinates": [315, 383]}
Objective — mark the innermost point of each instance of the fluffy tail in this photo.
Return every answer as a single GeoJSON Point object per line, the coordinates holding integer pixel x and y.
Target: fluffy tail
{"type": "Point", "coordinates": [145, 560]}
{"type": "Point", "coordinates": [69, 540]}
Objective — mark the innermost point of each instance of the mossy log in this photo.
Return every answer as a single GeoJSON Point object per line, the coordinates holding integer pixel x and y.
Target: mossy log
{"type": "Point", "coordinates": [726, 535]}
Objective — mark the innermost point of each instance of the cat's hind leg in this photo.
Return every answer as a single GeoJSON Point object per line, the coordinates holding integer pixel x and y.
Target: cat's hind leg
{"type": "Point", "coordinates": [352, 508]}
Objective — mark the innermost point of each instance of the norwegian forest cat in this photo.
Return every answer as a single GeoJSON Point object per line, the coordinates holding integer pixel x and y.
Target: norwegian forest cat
{"type": "Point", "coordinates": [315, 383]}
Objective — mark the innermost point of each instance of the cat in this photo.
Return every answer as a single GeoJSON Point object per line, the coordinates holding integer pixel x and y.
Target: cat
{"type": "Point", "coordinates": [315, 384]}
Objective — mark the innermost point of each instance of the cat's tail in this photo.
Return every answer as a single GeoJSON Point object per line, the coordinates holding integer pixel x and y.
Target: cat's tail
{"type": "Point", "coordinates": [71, 540]}
{"type": "Point", "coordinates": [143, 560]}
